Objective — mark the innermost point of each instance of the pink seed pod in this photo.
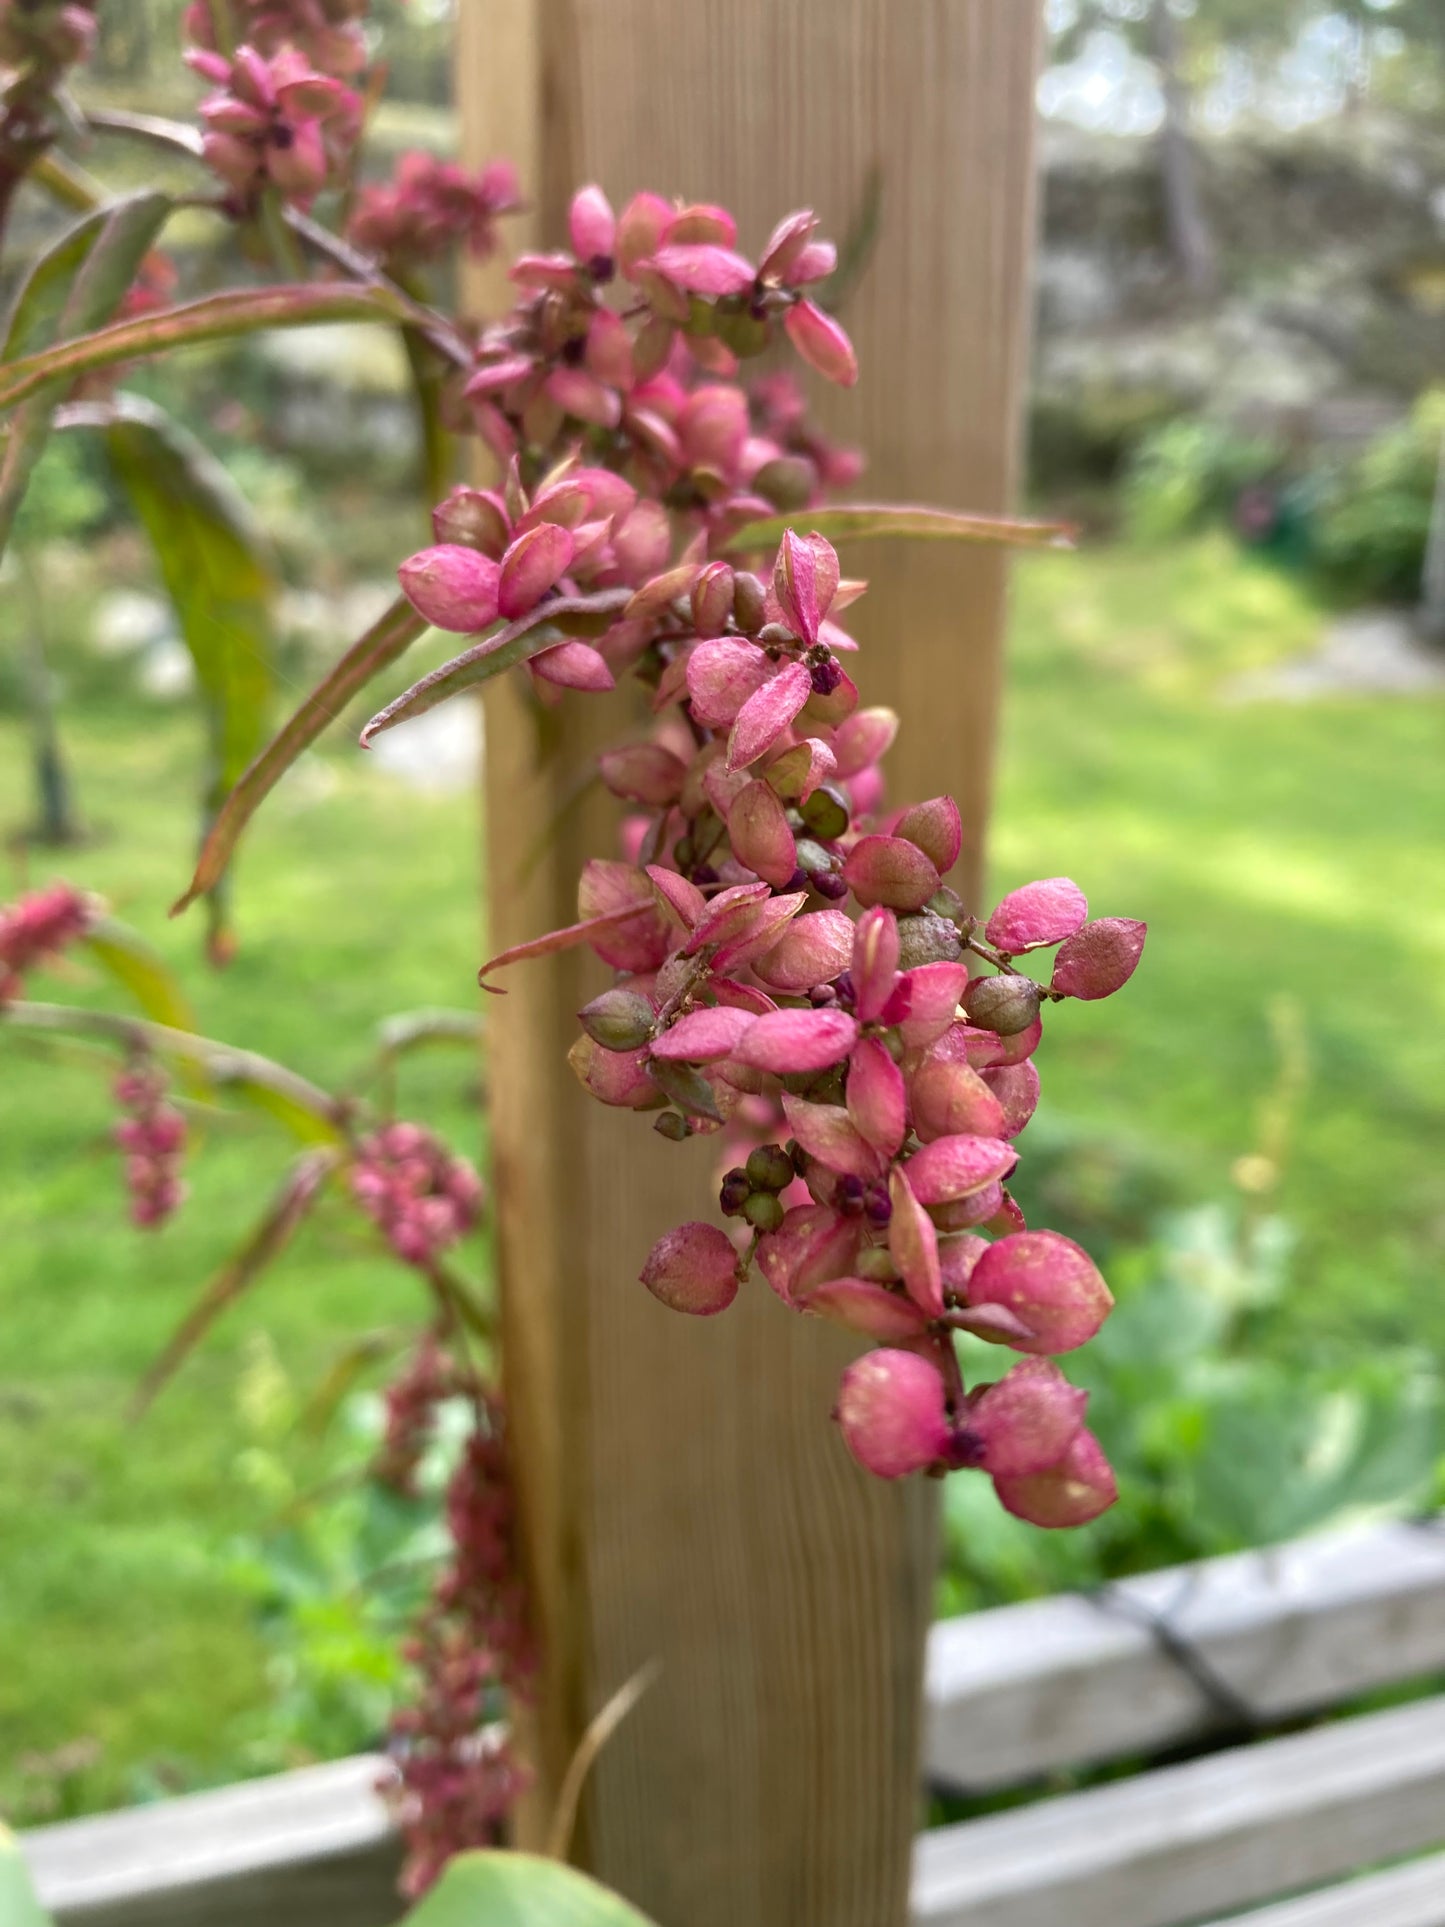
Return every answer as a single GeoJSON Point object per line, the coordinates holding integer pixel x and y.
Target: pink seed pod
{"type": "Point", "coordinates": [891, 1412]}
{"type": "Point", "coordinates": [1071, 1493]}
{"type": "Point", "coordinates": [1099, 959]}
{"type": "Point", "coordinates": [1036, 915]}
{"type": "Point", "coordinates": [693, 1269]}
{"type": "Point", "coordinates": [1047, 1281]}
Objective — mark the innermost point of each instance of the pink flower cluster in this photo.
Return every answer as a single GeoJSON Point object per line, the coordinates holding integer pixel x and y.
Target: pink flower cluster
{"type": "Point", "coordinates": [275, 121]}
{"type": "Point", "coordinates": [423, 1197]}
{"type": "Point", "coordinates": [412, 1399]}
{"type": "Point", "coordinates": [327, 32]}
{"type": "Point", "coordinates": [430, 207]}
{"type": "Point", "coordinates": [38, 927]}
{"type": "Point", "coordinates": [457, 1776]}
{"type": "Point", "coordinates": [153, 1137]}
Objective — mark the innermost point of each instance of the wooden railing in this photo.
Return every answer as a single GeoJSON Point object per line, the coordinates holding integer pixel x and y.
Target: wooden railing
{"type": "Point", "coordinates": [1175, 1659]}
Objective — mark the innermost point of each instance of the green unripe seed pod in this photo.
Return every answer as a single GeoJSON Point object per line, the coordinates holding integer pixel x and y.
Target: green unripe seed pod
{"type": "Point", "coordinates": [1007, 1003]}
{"type": "Point", "coordinates": [618, 1020]}
{"type": "Point", "coordinates": [764, 1211]}
{"type": "Point", "coordinates": [826, 812]}
{"type": "Point", "coordinates": [769, 1168]}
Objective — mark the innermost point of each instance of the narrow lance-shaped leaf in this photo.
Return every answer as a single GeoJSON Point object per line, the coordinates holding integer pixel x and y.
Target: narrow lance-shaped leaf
{"type": "Point", "coordinates": [215, 317]}
{"type": "Point", "coordinates": [410, 1029]}
{"type": "Point", "coordinates": [512, 1889]}
{"type": "Point", "coordinates": [389, 637]}
{"type": "Point", "coordinates": [428, 380]}
{"type": "Point", "coordinates": [857, 520]}
{"type": "Point", "coordinates": [308, 1112]}
{"type": "Point", "coordinates": [265, 1244]}
{"type": "Point", "coordinates": [129, 960]}
{"type": "Point", "coordinates": [503, 650]}
{"type": "Point", "coordinates": [217, 571]}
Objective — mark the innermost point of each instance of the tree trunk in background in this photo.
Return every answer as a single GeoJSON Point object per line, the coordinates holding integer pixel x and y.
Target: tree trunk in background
{"type": "Point", "coordinates": [683, 1492]}
{"type": "Point", "coordinates": [1190, 239]}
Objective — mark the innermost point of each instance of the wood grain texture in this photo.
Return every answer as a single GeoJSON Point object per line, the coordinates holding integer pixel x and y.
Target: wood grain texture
{"type": "Point", "coordinates": [1013, 1693]}
{"type": "Point", "coordinates": [684, 1493]}
{"type": "Point", "coordinates": [1188, 1841]}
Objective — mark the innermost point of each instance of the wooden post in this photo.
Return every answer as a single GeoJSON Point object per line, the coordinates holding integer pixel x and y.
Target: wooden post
{"type": "Point", "coordinates": [685, 1495]}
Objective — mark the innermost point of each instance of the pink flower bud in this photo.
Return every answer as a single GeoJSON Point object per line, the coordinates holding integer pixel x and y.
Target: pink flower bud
{"type": "Point", "coordinates": [573, 665]}
{"type": "Point", "coordinates": [643, 773]}
{"type": "Point", "coordinates": [473, 518]}
{"type": "Point", "coordinates": [913, 1242]}
{"type": "Point", "coordinates": [937, 829]}
{"type": "Point", "coordinates": [1099, 959]}
{"type": "Point", "coordinates": [805, 580]}
{"type": "Point", "coordinates": [531, 565]}
{"type": "Point", "coordinates": [592, 226]}
{"type": "Point", "coordinates": [868, 1308]}
{"type": "Point", "coordinates": [1071, 1493]}
{"type": "Point", "coordinates": [891, 1410]}
{"type": "Point", "coordinates": [822, 343]}
{"type": "Point", "coordinates": [814, 950]}
{"type": "Point", "coordinates": [1027, 1422]}
{"type": "Point", "coordinates": [888, 870]}
{"type": "Point", "coordinates": [452, 587]}
{"type": "Point", "coordinates": [1037, 914]}
{"type": "Point", "coordinates": [875, 962]}
{"type": "Point", "coordinates": [767, 713]}
{"type": "Point", "coordinates": [1016, 1087]}
{"type": "Point", "coordinates": [759, 833]}
{"type": "Point", "coordinates": [1050, 1282]}
{"type": "Point", "coordinates": [798, 1040]}
{"type": "Point", "coordinates": [877, 1102]}
{"type": "Point", "coordinates": [786, 243]}
{"type": "Point", "coordinates": [951, 1167]}
{"type": "Point", "coordinates": [693, 1269]}
{"type": "Point", "coordinates": [704, 268]}
{"type": "Point", "coordinates": [826, 1132]}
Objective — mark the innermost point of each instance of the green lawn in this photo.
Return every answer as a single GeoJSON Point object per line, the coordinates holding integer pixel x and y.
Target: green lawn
{"type": "Point", "coordinates": [1278, 851]}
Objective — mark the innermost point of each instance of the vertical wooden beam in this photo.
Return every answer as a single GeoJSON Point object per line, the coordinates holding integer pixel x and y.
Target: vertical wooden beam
{"type": "Point", "coordinates": [685, 1495]}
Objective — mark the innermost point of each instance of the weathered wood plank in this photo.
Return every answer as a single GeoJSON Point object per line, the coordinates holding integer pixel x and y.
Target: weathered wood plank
{"type": "Point", "coordinates": [312, 1848]}
{"type": "Point", "coordinates": [1408, 1896]}
{"type": "Point", "coordinates": [684, 1496]}
{"type": "Point", "coordinates": [1017, 1691]}
{"type": "Point", "coordinates": [1183, 1842]}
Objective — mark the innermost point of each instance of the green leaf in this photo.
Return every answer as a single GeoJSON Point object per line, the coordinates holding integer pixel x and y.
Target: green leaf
{"type": "Point", "coordinates": [528, 636]}
{"type": "Point", "coordinates": [428, 379]}
{"type": "Point", "coordinates": [856, 521]}
{"type": "Point", "coordinates": [215, 317]}
{"type": "Point", "coordinates": [18, 1905]}
{"type": "Point", "coordinates": [217, 571]}
{"type": "Point", "coordinates": [131, 963]}
{"type": "Point", "coordinates": [409, 1029]}
{"type": "Point", "coordinates": [265, 1244]}
{"type": "Point", "coordinates": [519, 1890]}
{"type": "Point", "coordinates": [389, 637]}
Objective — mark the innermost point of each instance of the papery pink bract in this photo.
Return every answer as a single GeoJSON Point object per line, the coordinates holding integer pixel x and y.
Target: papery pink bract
{"type": "Point", "coordinates": [913, 1243]}
{"type": "Point", "coordinates": [798, 1040]}
{"type": "Point", "coordinates": [888, 870]}
{"type": "Point", "coordinates": [814, 949]}
{"type": "Point", "coordinates": [875, 962]}
{"type": "Point", "coordinates": [704, 268]}
{"type": "Point", "coordinates": [822, 343]}
{"type": "Point", "coordinates": [761, 839]}
{"type": "Point", "coordinates": [454, 588]}
{"type": "Point", "coordinates": [949, 1098]}
{"type": "Point", "coordinates": [1099, 959]}
{"type": "Point", "coordinates": [703, 1036]}
{"type": "Point", "coordinates": [937, 829]}
{"type": "Point", "coordinates": [877, 1101]}
{"type": "Point", "coordinates": [613, 1077]}
{"type": "Point", "coordinates": [530, 567]}
{"type": "Point", "coordinates": [766, 714]}
{"type": "Point", "coordinates": [1016, 1088]}
{"type": "Point", "coordinates": [891, 1411]}
{"type": "Point", "coordinates": [827, 1133]}
{"type": "Point", "coordinates": [643, 773]}
{"type": "Point", "coordinates": [951, 1167]}
{"type": "Point", "coordinates": [693, 1269]}
{"type": "Point", "coordinates": [1027, 1421]}
{"type": "Point", "coordinates": [867, 1308]}
{"type": "Point", "coordinates": [592, 226]}
{"type": "Point", "coordinates": [1071, 1493]}
{"type": "Point", "coordinates": [1037, 914]}
{"type": "Point", "coordinates": [721, 677]}
{"type": "Point", "coordinates": [813, 1245]}
{"type": "Point", "coordinates": [1050, 1282]}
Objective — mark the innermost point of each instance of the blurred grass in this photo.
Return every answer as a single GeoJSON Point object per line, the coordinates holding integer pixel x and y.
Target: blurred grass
{"type": "Point", "coordinates": [1276, 849]}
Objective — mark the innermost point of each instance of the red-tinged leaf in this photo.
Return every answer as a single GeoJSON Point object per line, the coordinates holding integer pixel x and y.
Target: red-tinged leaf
{"type": "Point", "coordinates": [1099, 959]}
{"type": "Point", "coordinates": [813, 950]}
{"type": "Point", "coordinates": [503, 650]}
{"type": "Point", "coordinates": [790, 1041]}
{"type": "Point", "coordinates": [1027, 1422]}
{"type": "Point", "coordinates": [265, 1244]}
{"type": "Point", "coordinates": [863, 1307]}
{"type": "Point", "coordinates": [826, 1132]}
{"type": "Point", "coordinates": [1049, 1282]}
{"type": "Point", "coordinates": [951, 1167]}
{"type": "Point", "coordinates": [1016, 1087]}
{"type": "Point", "coordinates": [383, 643]}
{"type": "Point", "coordinates": [887, 870]}
{"type": "Point", "coordinates": [567, 938]}
{"type": "Point", "coordinates": [692, 1092]}
{"type": "Point", "coordinates": [704, 1036]}
{"type": "Point", "coordinates": [215, 317]}
{"type": "Point", "coordinates": [1037, 914]}
{"type": "Point", "coordinates": [876, 1099]}
{"type": "Point", "coordinates": [759, 833]}
{"type": "Point", "coordinates": [861, 521]}
{"type": "Point", "coordinates": [767, 713]}
{"type": "Point", "coordinates": [1071, 1493]}
{"type": "Point", "coordinates": [693, 1269]}
{"type": "Point", "coordinates": [913, 1243]}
